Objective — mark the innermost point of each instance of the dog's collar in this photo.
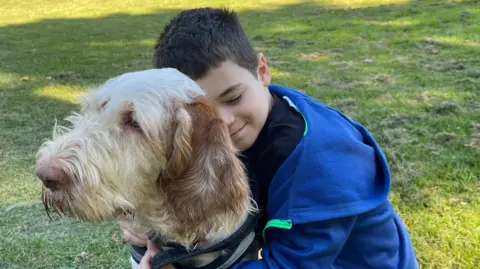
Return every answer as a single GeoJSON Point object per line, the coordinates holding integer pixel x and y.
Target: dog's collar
{"type": "Point", "coordinates": [230, 250]}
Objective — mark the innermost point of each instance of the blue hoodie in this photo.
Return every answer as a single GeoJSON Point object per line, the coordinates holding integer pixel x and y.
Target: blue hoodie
{"type": "Point", "coordinates": [327, 203]}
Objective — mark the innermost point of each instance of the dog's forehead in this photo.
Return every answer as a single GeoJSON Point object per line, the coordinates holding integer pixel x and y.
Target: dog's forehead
{"type": "Point", "coordinates": [153, 84]}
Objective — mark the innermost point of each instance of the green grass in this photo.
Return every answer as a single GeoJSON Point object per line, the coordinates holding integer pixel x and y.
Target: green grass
{"type": "Point", "coordinates": [408, 70]}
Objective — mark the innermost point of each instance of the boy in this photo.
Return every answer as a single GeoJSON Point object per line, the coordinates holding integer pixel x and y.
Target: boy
{"type": "Point", "coordinates": [319, 178]}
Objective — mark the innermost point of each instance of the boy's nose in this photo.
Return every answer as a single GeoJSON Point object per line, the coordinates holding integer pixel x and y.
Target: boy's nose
{"type": "Point", "coordinates": [227, 117]}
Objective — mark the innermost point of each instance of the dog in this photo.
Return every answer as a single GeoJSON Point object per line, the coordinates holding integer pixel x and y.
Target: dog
{"type": "Point", "coordinates": [147, 143]}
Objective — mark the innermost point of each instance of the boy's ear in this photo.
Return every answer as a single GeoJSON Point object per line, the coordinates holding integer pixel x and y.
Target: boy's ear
{"type": "Point", "coordinates": [263, 71]}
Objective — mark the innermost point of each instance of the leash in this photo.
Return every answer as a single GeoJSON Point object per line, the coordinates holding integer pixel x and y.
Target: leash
{"type": "Point", "coordinates": [228, 247]}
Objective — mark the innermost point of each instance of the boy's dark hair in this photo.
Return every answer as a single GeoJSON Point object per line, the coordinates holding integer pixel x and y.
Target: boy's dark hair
{"type": "Point", "coordinates": [198, 40]}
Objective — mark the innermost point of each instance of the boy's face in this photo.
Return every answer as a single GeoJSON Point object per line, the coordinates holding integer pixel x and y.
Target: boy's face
{"type": "Point", "coordinates": [242, 100]}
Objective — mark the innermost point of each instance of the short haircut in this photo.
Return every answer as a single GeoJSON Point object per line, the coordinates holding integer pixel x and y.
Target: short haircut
{"type": "Point", "coordinates": [197, 40]}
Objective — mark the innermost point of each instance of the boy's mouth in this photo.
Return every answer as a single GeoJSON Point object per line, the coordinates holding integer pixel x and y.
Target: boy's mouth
{"type": "Point", "coordinates": [238, 130]}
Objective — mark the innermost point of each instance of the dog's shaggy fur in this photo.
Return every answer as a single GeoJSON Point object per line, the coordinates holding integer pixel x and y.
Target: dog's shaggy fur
{"type": "Point", "coordinates": [148, 143]}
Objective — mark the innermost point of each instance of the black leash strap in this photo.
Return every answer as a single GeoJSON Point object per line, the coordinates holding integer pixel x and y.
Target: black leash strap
{"type": "Point", "coordinates": [172, 256]}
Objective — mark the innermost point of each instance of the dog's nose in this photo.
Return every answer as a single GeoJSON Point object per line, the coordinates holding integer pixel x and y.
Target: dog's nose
{"type": "Point", "coordinates": [52, 177]}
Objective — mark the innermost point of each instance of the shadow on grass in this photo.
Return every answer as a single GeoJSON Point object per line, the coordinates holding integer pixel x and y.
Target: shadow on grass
{"type": "Point", "coordinates": [98, 48]}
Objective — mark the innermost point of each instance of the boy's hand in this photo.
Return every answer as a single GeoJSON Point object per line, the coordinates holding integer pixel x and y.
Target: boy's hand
{"type": "Point", "coordinates": [146, 261]}
{"type": "Point", "coordinates": [131, 236]}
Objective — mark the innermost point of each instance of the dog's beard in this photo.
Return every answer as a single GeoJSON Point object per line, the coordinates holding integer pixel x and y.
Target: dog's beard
{"type": "Point", "coordinates": [73, 203]}
{"type": "Point", "coordinates": [60, 202]}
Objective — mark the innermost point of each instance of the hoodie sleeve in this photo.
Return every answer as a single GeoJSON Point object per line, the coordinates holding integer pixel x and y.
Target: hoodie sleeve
{"type": "Point", "coordinates": [311, 245]}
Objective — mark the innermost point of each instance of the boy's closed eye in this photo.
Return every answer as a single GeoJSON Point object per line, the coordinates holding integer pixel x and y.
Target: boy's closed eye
{"type": "Point", "coordinates": [232, 94]}
{"type": "Point", "coordinates": [235, 99]}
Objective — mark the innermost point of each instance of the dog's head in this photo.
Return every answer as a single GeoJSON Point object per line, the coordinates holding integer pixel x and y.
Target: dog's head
{"type": "Point", "coordinates": [147, 143]}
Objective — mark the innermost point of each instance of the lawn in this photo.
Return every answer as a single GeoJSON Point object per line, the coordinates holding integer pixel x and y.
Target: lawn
{"type": "Point", "coordinates": [408, 70]}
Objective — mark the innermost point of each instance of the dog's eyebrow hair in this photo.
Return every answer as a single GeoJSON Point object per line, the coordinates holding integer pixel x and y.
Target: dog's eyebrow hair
{"type": "Point", "coordinates": [229, 89]}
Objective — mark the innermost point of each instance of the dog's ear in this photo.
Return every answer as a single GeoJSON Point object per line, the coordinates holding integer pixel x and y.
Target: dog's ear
{"type": "Point", "coordinates": [181, 146]}
{"type": "Point", "coordinates": [205, 181]}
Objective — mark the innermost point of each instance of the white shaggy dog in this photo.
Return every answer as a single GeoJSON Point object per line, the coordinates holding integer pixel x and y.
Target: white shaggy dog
{"type": "Point", "coordinates": [147, 143]}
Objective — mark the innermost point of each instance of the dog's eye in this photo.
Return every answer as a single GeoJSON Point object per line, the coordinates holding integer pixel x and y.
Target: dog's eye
{"type": "Point", "coordinates": [130, 122]}
{"type": "Point", "coordinates": [134, 124]}
{"type": "Point", "coordinates": [102, 106]}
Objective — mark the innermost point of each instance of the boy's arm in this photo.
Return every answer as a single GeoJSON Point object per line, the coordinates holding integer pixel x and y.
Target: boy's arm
{"type": "Point", "coordinates": [312, 245]}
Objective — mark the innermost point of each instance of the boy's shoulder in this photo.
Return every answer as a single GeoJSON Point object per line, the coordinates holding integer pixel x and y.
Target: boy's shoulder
{"type": "Point", "coordinates": [336, 170]}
